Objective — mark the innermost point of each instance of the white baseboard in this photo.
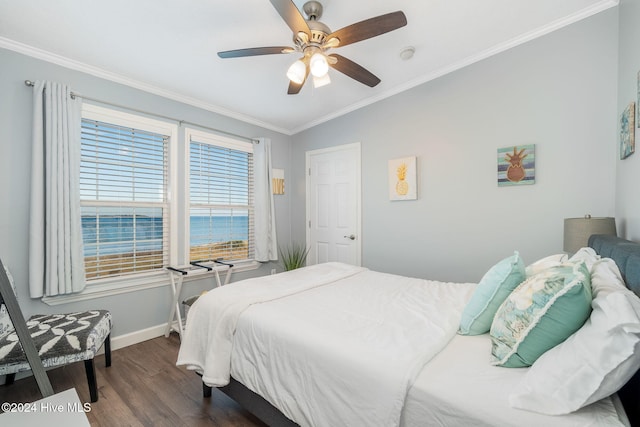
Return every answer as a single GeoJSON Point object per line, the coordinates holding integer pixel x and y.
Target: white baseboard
{"type": "Point", "coordinates": [136, 337]}
{"type": "Point", "coordinates": [121, 341]}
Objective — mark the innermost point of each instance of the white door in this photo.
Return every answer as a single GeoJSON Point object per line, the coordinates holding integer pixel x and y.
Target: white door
{"type": "Point", "coordinates": [333, 205]}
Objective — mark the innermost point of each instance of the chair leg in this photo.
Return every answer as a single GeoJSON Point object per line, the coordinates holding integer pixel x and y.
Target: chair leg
{"type": "Point", "coordinates": [91, 379]}
{"type": "Point", "coordinates": [107, 351]}
{"type": "Point", "coordinates": [9, 379]}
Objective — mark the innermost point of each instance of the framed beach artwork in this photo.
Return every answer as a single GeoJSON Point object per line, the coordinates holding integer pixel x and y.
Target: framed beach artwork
{"type": "Point", "coordinates": [628, 131]}
{"type": "Point", "coordinates": [402, 179]}
{"type": "Point", "coordinates": [517, 165]}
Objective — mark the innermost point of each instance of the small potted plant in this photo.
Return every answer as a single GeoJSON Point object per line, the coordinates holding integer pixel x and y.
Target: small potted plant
{"type": "Point", "coordinates": [293, 256]}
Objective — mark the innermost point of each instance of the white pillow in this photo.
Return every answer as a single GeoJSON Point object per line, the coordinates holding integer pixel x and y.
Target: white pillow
{"type": "Point", "coordinates": [586, 254]}
{"type": "Point", "coordinates": [544, 263]}
{"type": "Point", "coordinates": [593, 363]}
{"type": "Point", "coordinates": [606, 278]}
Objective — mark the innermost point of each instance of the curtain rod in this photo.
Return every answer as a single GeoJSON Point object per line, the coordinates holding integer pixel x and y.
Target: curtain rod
{"type": "Point", "coordinates": [180, 122]}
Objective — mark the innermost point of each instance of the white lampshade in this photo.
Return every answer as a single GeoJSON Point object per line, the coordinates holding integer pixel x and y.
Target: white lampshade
{"type": "Point", "coordinates": [578, 230]}
{"type": "Point", "coordinates": [297, 72]}
{"type": "Point", "coordinates": [319, 65]}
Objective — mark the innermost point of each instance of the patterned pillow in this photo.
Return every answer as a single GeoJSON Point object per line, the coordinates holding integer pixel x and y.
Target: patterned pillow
{"type": "Point", "coordinates": [493, 289]}
{"type": "Point", "coordinates": [544, 263]}
{"type": "Point", "coordinates": [541, 313]}
{"type": "Point", "coordinates": [593, 363]}
{"type": "Point", "coordinates": [5, 321]}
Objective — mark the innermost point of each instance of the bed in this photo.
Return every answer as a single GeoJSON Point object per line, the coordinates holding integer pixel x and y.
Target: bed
{"type": "Point", "coordinates": [342, 345]}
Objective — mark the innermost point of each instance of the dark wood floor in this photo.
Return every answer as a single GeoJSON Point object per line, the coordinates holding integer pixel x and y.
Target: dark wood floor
{"type": "Point", "coordinates": [143, 387]}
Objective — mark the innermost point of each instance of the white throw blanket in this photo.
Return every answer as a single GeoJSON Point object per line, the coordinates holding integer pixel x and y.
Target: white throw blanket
{"type": "Point", "coordinates": [211, 322]}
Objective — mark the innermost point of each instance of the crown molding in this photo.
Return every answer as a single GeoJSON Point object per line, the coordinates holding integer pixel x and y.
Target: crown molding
{"type": "Point", "coordinates": [118, 78]}
{"type": "Point", "coordinates": [499, 48]}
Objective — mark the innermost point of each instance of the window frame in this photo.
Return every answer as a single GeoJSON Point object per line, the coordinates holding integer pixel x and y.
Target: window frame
{"type": "Point", "coordinates": [177, 200]}
{"type": "Point", "coordinates": [143, 280]}
{"type": "Point", "coordinates": [205, 137]}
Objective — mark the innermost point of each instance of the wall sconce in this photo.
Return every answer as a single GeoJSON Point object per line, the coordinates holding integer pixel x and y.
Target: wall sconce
{"type": "Point", "coordinates": [578, 230]}
{"type": "Point", "coordinates": [277, 181]}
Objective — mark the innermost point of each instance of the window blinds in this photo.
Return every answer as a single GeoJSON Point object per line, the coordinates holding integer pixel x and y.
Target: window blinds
{"type": "Point", "coordinates": [221, 202]}
{"type": "Point", "coordinates": [123, 192]}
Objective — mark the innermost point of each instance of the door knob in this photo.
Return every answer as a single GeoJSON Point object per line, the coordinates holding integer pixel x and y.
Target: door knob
{"type": "Point", "coordinates": [351, 237]}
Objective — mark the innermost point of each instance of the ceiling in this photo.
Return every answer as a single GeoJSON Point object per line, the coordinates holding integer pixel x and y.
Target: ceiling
{"type": "Point", "coordinates": [168, 47]}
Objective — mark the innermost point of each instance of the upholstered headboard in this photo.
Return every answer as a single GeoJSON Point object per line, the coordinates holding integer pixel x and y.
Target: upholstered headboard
{"type": "Point", "coordinates": [626, 254]}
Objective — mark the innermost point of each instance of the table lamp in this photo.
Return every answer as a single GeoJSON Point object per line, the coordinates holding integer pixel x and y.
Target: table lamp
{"type": "Point", "coordinates": [578, 230]}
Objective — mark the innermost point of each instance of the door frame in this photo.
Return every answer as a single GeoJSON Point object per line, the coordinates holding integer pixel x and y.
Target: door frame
{"type": "Point", "coordinates": [338, 148]}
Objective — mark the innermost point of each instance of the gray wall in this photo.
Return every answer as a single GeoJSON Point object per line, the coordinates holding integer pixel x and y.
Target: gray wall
{"type": "Point", "coordinates": [132, 311]}
{"type": "Point", "coordinates": [558, 92]}
{"type": "Point", "coordinates": [628, 170]}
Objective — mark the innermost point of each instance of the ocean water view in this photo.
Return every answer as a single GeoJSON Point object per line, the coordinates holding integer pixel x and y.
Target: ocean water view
{"type": "Point", "coordinates": [114, 234]}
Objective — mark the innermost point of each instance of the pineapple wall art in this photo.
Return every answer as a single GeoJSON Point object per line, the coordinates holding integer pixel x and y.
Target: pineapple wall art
{"type": "Point", "coordinates": [516, 165]}
{"type": "Point", "coordinates": [402, 179]}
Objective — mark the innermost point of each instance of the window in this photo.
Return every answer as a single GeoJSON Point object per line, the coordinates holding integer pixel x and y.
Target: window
{"type": "Point", "coordinates": [124, 193]}
{"type": "Point", "coordinates": [129, 170]}
{"type": "Point", "coordinates": [220, 198]}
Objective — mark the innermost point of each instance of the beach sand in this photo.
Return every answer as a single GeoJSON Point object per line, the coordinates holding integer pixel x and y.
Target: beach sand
{"type": "Point", "coordinates": [120, 264]}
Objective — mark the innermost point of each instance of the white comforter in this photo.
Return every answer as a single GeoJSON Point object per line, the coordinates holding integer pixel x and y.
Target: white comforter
{"type": "Point", "coordinates": [343, 352]}
{"type": "Point", "coordinates": [206, 347]}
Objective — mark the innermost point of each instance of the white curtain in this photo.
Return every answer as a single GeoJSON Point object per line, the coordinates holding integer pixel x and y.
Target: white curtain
{"type": "Point", "coordinates": [56, 264]}
{"type": "Point", "coordinates": [265, 217]}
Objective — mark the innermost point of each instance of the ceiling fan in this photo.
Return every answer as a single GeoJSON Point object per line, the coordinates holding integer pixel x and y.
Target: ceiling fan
{"type": "Point", "coordinates": [313, 39]}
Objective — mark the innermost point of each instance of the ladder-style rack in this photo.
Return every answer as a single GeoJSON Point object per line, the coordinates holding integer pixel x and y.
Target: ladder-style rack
{"type": "Point", "coordinates": [177, 275]}
{"type": "Point", "coordinates": [20, 325]}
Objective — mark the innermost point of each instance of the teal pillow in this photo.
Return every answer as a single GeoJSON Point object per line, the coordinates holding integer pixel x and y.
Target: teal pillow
{"type": "Point", "coordinates": [493, 289]}
{"type": "Point", "coordinates": [541, 313]}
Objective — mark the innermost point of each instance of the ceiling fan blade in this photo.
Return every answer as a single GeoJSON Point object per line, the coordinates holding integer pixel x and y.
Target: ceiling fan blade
{"type": "Point", "coordinates": [353, 70]}
{"type": "Point", "coordinates": [294, 88]}
{"type": "Point", "coordinates": [292, 16]}
{"type": "Point", "coordinates": [254, 51]}
{"type": "Point", "coordinates": [369, 28]}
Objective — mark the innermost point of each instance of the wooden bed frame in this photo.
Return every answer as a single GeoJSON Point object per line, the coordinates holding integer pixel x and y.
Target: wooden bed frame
{"type": "Point", "coordinates": [625, 253]}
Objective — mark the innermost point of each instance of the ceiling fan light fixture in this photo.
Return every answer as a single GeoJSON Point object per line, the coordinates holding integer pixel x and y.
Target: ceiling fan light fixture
{"type": "Point", "coordinates": [313, 39]}
{"type": "Point", "coordinates": [297, 71]}
{"type": "Point", "coordinates": [321, 81]}
{"type": "Point", "coordinates": [318, 65]}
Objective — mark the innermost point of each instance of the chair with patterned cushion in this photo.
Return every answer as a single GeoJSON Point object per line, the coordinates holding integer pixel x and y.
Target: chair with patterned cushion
{"type": "Point", "coordinates": [60, 339]}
